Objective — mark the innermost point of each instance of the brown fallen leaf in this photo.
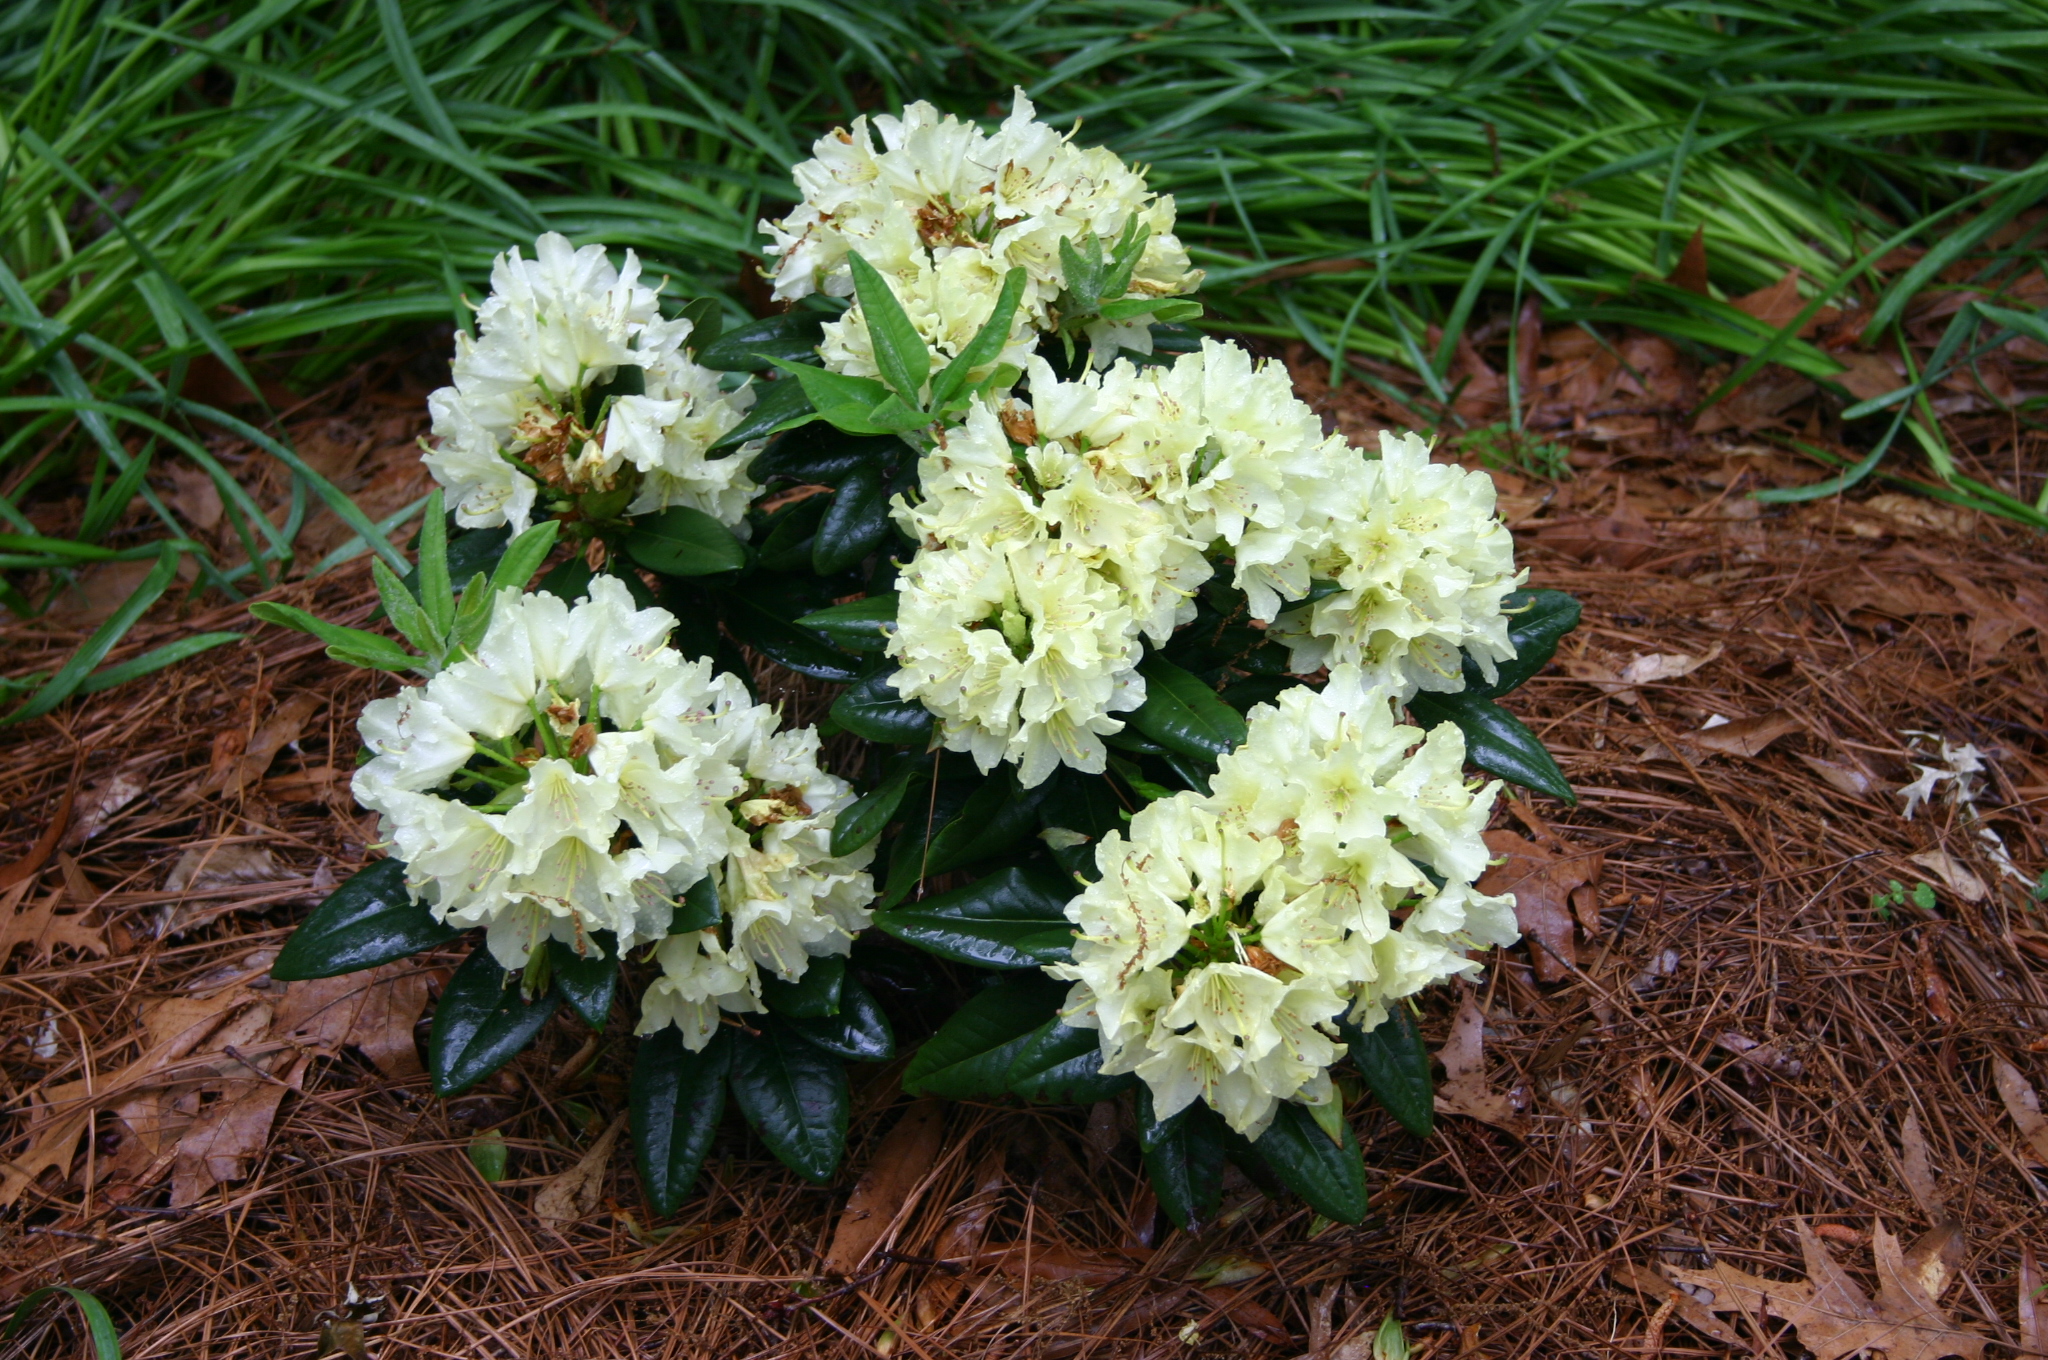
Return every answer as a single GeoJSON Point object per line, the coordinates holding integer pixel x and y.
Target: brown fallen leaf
{"type": "Point", "coordinates": [1248, 1314]}
{"type": "Point", "coordinates": [1671, 1299]}
{"type": "Point", "coordinates": [1050, 1261]}
{"type": "Point", "coordinates": [1954, 873]}
{"type": "Point", "coordinates": [962, 1236]}
{"type": "Point", "coordinates": [26, 868]}
{"type": "Point", "coordinates": [573, 1194]}
{"type": "Point", "coordinates": [1760, 1059]}
{"type": "Point", "coordinates": [907, 1154]}
{"type": "Point", "coordinates": [1917, 1168]}
{"type": "Point", "coordinates": [1833, 1316]}
{"type": "Point", "coordinates": [1776, 304]}
{"type": "Point", "coordinates": [1542, 884]}
{"type": "Point", "coordinates": [2024, 1106]}
{"type": "Point", "coordinates": [212, 864]}
{"type": "Point", "coordinates": [1647, 670]}
{"type": "Point", "coordinates": [2030, 1302]}
{"type": "Point", "coordinates": [1690, 273]}
{"type": "Point", "coordinates": [42, 927]}
{"type": "Point", "coordinates": [218, 1145]}
{"type": "Point", "coordinates": [1838, 775]}
{"type": "Point", "coordinates": [373, 1012]}
{"type": "Point", "coordinates": [100, 804]}
{"type": "Point", "coordinates": [283, 727]}
{"type": "Point", "coordinates": [1744, 736]}
{"type": "Point", "coordinates": [1465, 1090]}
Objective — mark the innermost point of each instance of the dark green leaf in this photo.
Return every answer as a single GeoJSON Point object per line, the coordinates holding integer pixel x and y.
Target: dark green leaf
{"type": "Point", "coordinates": [1395, 1066]}
{"type": "Point", "coordinates": [793, 335]}
{"type": "Point", "coordinates": [788, 545]}
{"type": "Point", "coordinates": [1081, 802]}
{"type": "Point", "coordinates": [567, 580]}
{"type": "Point", "coordinates": [871, 708]}
{"type": "Point", "coordinates": [369, 920]}
{"type": "Point", "coordinates": [1183, 714]}
{"type": "Point", "coordinates": [901, 354]}
{"type": "Point", "coordinates": [1495, 741]}
{"type": "Point", "coordinates": [859, 1033]}
{"type": "Point", "coordinates": [1330, 1175]}
{"type": "Point", "coordinates": [481, 1023]}
{"type": "Point", "coordinates": [788, 645]}
{"type": "Point", "coordinates": [1543, 618]}
{"type": "Point", "coordinates": [1063, 1065]}
{"type": "Point", "coordinates": [855, 523]}
{"type": "Point", "coordinates": [1184, 1161]}
{"type": "Point", "coordinates": [676, 1099]}
{"type": "Point", "coordinates": [681, 541]}
{"type": "Point", "coordinates": [778, 404]}
{"type": "Point", "coordinates": [706, 316]}
{"type": "Point", "coordinates": [819, 453]}
{"type": "Point", "coordinates": [1012, 918]}
{"type": "Point", "coordinates": [698, 909]}
{"type": "Point", "coordinates": [971, 1054]}
{"type": "Point", "coordinates": [996, 816]}
{"type": "Point", "coordinates": [588, 984]}
{"type": "Point", "coordinates": [814, 994]}
{"type": "Point", "coordinates": [859, 626]}
{"type": "Point", "coordinates": [872, 812]}
{"type": "Point", "coordinates": [794, 1095]}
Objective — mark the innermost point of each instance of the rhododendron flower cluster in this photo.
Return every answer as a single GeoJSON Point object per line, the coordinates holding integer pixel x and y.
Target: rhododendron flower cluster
{"type": "Point", "coordinates": [576, 775]}
{"type": "Point", "coordinates": [576, 385]}
{"type": "Point", "coordinates": [944, 210]}
{"type": "Point", "coordinates": [1057, 537]}
{"type": "Point", "coordinates": [1327, 875]}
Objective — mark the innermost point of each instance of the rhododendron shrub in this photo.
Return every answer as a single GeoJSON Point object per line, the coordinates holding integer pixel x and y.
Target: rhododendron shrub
{"type": "Point", "coordinates": [1163, 724]}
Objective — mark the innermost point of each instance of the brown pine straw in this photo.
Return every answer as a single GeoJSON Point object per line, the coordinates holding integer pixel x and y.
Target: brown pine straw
{"type": "Point", "coordinates": [1735, 900]}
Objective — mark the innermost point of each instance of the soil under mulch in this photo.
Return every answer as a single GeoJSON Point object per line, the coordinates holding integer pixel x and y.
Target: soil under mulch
{"type": "Point", "coordinates": [1724, 1039]}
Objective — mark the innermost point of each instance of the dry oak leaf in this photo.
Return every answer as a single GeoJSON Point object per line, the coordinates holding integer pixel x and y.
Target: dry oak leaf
{"type": "Point", "coordinates": [1465, 1090]}
{"type": "Point", "coordinates": [967, 1226]}
{"type": "Point", "coordinates": [1744, 736]}
{"type": "Point", "coordinates": [2024, 1106]}
{"type": "Point", "coordinates": [1542, 882]}
{"type": "Point", "coordinates": [573, 1194]}
{"type": "Point", "coordinates": [42, 927]}
{"type": "Point", "coordinates": [906, 1157]}
{"type": "Point", "coordinates": [1832, 1314]}
{"type": "Point", "coordinates": [278, 731]}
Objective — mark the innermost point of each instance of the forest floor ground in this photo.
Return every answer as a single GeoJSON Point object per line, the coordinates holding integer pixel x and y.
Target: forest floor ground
{"type": "Point", "coordinates": [1727, 1046]}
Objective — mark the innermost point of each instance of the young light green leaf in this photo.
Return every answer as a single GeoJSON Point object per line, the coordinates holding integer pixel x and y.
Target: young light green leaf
{"type": "Point", "coordinates": [437, 594]}
{"type": "Point", "coordinates": [523, 556]}
{"type": "Point", "coordinates": [837, 398]}
{"type": "Point", "coordinates": [373, 650]}
{"type": "Point", "coordinates": [900, 352]}
{"type": "Point", "coordinates": [472, 618]}
{"type": "Point", "coordinates": [407, 615]}
{"type": "Point", "coordinates": [986, 344]}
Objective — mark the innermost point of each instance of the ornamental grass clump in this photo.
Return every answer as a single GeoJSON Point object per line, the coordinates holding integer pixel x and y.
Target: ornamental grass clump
{"type": "Point", "coordinates": [1156, 705]}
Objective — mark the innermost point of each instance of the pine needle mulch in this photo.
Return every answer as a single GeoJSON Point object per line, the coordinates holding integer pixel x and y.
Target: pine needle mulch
{"type": "Point", "coordinates": [1722, 1056]}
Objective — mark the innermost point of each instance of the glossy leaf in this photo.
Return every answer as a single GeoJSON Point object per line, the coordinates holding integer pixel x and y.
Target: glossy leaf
{"type": "Point", "coordinates": [1329, 1174]}
{"type": "Point", "coordinates": [1184, 715]}
{"type": "Point", "coordinates": [682, 541]}
{"type": "Point", "coordinates": [839, 399]}
{"type": "Point", "coordinates": [788, 645]}
{"type": "Point", "coordinates": [811, 996]}
{"type": "Point", "coordinates": [871, 708]}
{"type": "Point", "coordinates": [1538, 620]}
{"type": "Point", "coordinates": [1183, 1158]}
{"type": "Point", "coordinates": [872, 812]}
{"type": "Point", "coordinates": [790, 531]}
{"type": "Point", "coordinates": [588, 984]}
{"type": "Point", "coordinates": [1495, 741]}
{"type": "Point", "coordinates": [567, 580]}
{"type": "Point", "coordinates": [792, 335]}
{"type": "Point", "coordinates": [860, 1032]}
{"type": "Point", "coordinates": [996, 816]}
{"type": "Point", "coordinates": [794, 1094]}
{"type": "Point", "coordinates": [697, 909]}
{"type": "Point", "coordinates": [676, 1099]}
{"type": "Point", "coordinates": [819, 453]}
{"type": "Point", "coordinates": [1063, 1065]}
{"type": "Point", "coordinates": [481, 1023]}
{"type": "Point", "coordinates": [1081, 802]}
{"type": "Point", "coordinates": [1395, 1066]}
{"type": "Point", "coordinates": [970, 1056]}
{"type": "Point", "coordinates": [1012, 918]}
{"type": "Point", "coordinates": [368, 920]}
{"type": "Point", "coordinates": [779, 403]}
{"type": "Point", "coordinates": [859, 625]}
{"type": "Point", "coordinates": [855, 523]}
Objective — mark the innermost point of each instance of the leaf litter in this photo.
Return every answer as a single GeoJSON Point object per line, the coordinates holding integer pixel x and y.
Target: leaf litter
{"type": "Point", "coordinates": [1732, 899]}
